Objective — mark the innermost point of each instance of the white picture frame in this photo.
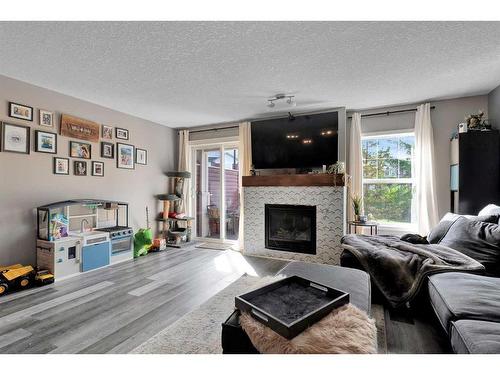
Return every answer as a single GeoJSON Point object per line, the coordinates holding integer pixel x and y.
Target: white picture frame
{"type": "Point", "coordinates": [141, 156]}
{"type": "Point", "coordinates": [106, 132]}
{"type": "Point", "coordinates": [46, 118]}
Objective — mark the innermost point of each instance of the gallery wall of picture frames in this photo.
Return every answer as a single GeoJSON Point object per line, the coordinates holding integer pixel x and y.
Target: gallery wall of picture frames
{"type": "Point", "coordinates": [16, 138]}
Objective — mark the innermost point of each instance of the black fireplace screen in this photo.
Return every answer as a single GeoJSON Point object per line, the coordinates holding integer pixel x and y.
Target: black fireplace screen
{"type": "Point", "coordinates": [291, 228]}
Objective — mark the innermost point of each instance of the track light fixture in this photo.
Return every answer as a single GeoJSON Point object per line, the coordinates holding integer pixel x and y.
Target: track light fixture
{"type": "Point", "coordinates": [289, 99]}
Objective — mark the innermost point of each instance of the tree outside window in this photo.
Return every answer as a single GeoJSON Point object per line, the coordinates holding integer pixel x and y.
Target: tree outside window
{"type": "Point", "coordinates": [388, 183]}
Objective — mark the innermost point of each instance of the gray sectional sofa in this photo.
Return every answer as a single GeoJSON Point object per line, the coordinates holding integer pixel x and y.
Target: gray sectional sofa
{"type": "Point", "coordinates": [466, 304]}
{"type": "Point", "coordinates": [468, 308]}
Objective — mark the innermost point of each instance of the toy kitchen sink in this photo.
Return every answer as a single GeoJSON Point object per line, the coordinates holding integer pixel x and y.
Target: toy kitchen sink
{"type": "Point", "coordinates": [77, 236]}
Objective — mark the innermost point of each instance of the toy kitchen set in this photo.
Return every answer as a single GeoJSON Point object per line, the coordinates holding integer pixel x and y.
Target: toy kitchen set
{"type": "Point", "coordinates": [81, 235]}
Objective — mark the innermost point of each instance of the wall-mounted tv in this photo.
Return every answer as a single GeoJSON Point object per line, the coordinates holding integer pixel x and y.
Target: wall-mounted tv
{"type": "Point", "coordinates": [299, 142]}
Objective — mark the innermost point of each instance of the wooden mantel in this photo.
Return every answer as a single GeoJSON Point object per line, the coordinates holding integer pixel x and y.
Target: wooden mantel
{"type": "Point", "coordinates": [294, 180]}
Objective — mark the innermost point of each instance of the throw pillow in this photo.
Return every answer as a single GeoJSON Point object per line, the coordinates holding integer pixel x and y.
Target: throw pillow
{"type": "Point", "coordinates": [439, 231]}
{"type": "Point", "coordinates": [476, 239]}
{"type": "Point", "coordinates": [491, 209]}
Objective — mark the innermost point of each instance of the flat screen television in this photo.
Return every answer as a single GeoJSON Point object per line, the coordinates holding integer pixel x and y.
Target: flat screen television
{"type": "Point", "coordinates": [302, 142]}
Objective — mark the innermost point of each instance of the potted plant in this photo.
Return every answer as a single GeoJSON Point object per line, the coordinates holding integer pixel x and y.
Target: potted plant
{"type": "Point", "coordinates": [357, 202]}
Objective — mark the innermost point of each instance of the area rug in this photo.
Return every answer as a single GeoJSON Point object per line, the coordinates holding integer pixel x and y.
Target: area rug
{"type": "Point", "coordinates": [214, 246]}
{"type": "Point", "coordinates": [199, 332]}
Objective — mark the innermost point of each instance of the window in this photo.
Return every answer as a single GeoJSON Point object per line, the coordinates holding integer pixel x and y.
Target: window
{"type": "Point", "coordinates": [388, 183]}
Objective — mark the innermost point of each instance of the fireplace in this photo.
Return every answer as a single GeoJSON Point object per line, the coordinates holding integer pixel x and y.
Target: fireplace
{"type": "Point", "coordinates": [290, 228]}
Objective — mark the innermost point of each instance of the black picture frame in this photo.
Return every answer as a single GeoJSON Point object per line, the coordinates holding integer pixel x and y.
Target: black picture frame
{"type": "Point", "coordinates": [103, 144]}
{"type": "Point", "coordinates": [12, 104]}
{"type": "Point", "coordinates": [136, 159]}
{"type": "Point", "coordinates": [27, 129]}
{"type": "Point", "coordinates": [92, 168]}
{"type": "Point", "coordinates": [54, 163]}
{"type": "Point", "coordinates": [37, 145]}
{"type": "Point", "coordinates": [82, 143]}
{"type": "Point", "coordinates": [117, 130]}
{"type": "Point", "coordinates": [118, 155]}
{"type": "Point", "coordinates": [75, 167]}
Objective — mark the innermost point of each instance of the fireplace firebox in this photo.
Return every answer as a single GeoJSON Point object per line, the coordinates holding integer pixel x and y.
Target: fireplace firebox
{"type": "Point", "coordinates": [290, 228]}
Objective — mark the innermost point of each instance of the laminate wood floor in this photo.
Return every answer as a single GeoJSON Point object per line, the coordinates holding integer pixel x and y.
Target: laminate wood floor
{"type": "Point", "coordinates": [115, 309]}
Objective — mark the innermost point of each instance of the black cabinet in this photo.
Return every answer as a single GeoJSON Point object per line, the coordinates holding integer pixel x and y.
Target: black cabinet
{"type": "Point", "coordinates": [475, 175]}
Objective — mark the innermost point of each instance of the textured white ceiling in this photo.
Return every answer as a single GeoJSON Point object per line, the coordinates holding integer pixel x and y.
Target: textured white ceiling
{"type": "Point", "coordinates": [184, 74]}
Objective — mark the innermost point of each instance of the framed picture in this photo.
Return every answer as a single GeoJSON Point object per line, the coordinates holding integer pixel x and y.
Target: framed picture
{"type": "Point", "coordinates": [80, 168]}
{"type": "Point", "coordinates": [80, 150]}
{"type": "Point", "coordinates": [141, 156]}
{"type": "Point", "coordinates": [107, 150]}
{"type": "Point", "coordinates": [61, 165]}
{"type": "Point", "coordinates": [16, 138]}
{"type": "Point", "coordinates": [45, 142]}
{"type": "Point", "coordinates": [106, 132]}
{"type": "Point", "coordinates": [98, 168]}
{"type": "Point", "coordinates": [46, 118]}
{"type": "Point", "coordinates": [121, 133]}
{"type": "Point", "coordinates": [20, 111]}
{"type": "Point", "coordinates": [124, 156]}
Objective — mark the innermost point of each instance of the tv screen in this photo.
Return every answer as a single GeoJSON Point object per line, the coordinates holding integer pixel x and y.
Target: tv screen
{"type": "Point", "coordinates": [303, 142]}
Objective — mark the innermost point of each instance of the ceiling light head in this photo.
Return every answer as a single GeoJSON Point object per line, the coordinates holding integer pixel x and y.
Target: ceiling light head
{"type": "Point", "coordinates": [288, 100]}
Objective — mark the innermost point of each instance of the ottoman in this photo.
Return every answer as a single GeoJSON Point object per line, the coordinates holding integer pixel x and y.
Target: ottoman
{"type": "Point", "coordinates": [353, 281]}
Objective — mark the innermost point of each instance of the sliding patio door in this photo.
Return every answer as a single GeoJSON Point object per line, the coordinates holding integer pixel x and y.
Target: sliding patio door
{"type": "Point", "coordinates": [216, 191]}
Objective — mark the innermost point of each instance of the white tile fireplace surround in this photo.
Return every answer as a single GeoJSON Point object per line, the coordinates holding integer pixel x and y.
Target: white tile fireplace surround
{"type": "Point", "coordinates": [330, 209]}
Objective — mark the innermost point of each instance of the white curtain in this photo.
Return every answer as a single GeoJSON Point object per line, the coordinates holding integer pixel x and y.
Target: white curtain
{"type": "Point", "coordinates": [245, 150]}
{"type": "Point", "coordinates": [425, 175]}
{"type": "Point", "coordinates": [355, 161]}
{"type": "Point", "coordinates": [183, 166]}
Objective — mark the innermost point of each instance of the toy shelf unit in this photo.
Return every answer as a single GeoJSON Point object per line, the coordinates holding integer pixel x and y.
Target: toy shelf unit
{"type": "Point", "coordinates": [174, 225]}
{"type": "Point", "coordinates": [81, 235]}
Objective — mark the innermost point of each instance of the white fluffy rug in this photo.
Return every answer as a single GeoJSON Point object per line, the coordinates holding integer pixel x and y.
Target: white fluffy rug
{"type": "Point", "coordinates": [346, 330]}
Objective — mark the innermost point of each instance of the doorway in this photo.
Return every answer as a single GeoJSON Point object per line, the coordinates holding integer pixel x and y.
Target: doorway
{"type": "Point", "coordinates": [216, 192]}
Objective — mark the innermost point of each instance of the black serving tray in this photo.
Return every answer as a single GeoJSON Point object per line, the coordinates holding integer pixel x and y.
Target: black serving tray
{"type": "Point", "coordinates": [290, 305]}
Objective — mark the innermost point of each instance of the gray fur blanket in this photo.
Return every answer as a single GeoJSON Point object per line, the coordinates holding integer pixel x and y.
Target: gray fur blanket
{"type": "Point", "coordinates": [399, 268]}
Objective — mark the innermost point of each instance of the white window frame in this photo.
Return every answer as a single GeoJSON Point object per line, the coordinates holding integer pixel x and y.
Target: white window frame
{"type": "Point", "coordinates": [392, 134]}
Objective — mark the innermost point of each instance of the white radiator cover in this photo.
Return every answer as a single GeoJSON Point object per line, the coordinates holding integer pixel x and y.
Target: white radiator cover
{"type": "Point", "coordinates": [330, 219]}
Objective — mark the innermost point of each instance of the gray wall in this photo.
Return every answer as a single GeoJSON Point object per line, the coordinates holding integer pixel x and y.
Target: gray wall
{"type": "Point", "coordinates": [445, 118]}
{"type": "Point", "coordinates": [494, 107]}
{"type": "Point", "coordinates": [27, 180]}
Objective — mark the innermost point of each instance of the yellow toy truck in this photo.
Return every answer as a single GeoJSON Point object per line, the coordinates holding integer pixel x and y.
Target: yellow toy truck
{"type": "Point", "coordinates": [18, 276]}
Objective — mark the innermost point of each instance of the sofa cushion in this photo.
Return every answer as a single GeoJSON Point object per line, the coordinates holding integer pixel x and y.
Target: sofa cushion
{"type": "Point", "coordinates": [491, 209]}
{"type": "Point", "coordinates": [478, 240]}
{"type": "Point", "coordinates": [439, 231]}
{"type": "Point", "coordinates": [475, 337]}
{"type": "Point", "coordinates": [458, 295]}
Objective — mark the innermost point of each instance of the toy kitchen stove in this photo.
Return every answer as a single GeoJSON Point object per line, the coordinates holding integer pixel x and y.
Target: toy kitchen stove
{"type": "Point", "coordinates": [81, 235]}
{"type": "Point", "coordinates": [122, 240]}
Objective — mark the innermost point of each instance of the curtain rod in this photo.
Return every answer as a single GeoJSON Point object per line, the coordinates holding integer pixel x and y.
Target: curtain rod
{"type": "Point", "coordinates": [213, 129]}
{"type": "Point", "coordinates": [387, 113]}
{"type": "Point", "coordinates": [272, 117]}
